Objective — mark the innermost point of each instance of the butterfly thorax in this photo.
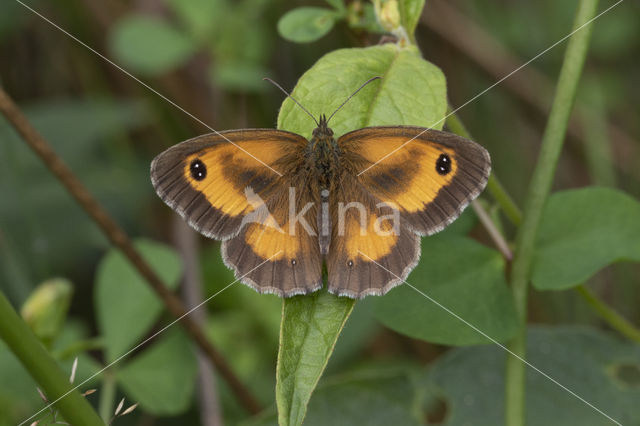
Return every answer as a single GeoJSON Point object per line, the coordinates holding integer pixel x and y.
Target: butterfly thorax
{"type": "Point", "coordinates": [322, 153]}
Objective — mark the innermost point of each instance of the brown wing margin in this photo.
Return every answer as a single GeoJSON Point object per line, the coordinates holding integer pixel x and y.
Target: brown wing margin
{"type": "Point", "coordinates": [401, 169]}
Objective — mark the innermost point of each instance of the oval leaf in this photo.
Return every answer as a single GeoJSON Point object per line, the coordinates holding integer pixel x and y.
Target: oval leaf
{"type": "Point", "coordinates": [126, 307]}
{"type": "Point", "coordinates": [306, 24]}
{"type": "Point", "coordinates": [150, 46]}
{"type": "Point", "coordinates": [465, 277]}
{"type": "Point", "coordinates": [162, 378]}
{"type": "Point", "coordinates": [377, 396]}
{"type": "Point", "coordinates": [594, 365]}
{"type": "Point", "coordinates": [581, 232]}
{"type": "Point", "coordinates": [412, 91]}
{"type": "Point", "coordinates": [309, 330]}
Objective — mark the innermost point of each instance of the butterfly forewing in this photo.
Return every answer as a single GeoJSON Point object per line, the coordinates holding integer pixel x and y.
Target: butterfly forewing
{"type": "Point", "coordinates": [431, 176]}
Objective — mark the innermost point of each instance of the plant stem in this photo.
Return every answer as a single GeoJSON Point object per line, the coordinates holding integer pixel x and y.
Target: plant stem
{"type": "Point", "coordinates": [494, 186]}
{"type": "Point", "coordinates": [614, 319]}
{"type": "Point", "coordinates": [539, 189]}
{"type": "Point", "coordinates": [106, 405]}
{"type": "Point", "coordinates": [42, 367]}
{"type": "Point", "coordinates": [504, 200]}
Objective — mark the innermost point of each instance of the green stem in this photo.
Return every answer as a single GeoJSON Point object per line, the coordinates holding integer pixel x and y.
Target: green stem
{"type": "Point", "coordinates": [504, 200]}
{"type": "Point", "coordinates": [494, 186]}
{"type": "Point", "coordinates": [614, 319]}
{"type": "Point", "coordinates": [106, 406]}
{"type": "Point", "coordinates": [42, 367]}
{"type": "Point", "coordinates": [539, 189]}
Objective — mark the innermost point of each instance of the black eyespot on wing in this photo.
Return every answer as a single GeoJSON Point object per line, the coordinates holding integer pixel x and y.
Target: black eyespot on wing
{"type": "Point", "coordinates": [198, 170]}
{"type": "Point", "coordinates": [443, 164]}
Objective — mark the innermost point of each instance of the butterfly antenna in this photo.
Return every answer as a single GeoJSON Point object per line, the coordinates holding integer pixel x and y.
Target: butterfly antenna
{"type": "Point", "coordinates": [353, 94]}
{"type": "Point", "coordinates": [292, 98]}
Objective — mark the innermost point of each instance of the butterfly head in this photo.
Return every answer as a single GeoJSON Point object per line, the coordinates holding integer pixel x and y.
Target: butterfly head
{"type": "Point", "coordinates": [323, 130]}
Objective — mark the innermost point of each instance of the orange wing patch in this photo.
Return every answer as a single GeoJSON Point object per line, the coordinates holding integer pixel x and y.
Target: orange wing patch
{"type": "Point", "coordinates": [268, 241]}
{"type": "Point", "coordinates": [374, 241]}
{"type": "Point", "coordinates": [406, 175]}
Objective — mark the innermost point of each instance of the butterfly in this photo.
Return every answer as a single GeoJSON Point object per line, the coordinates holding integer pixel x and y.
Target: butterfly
{"type": "Point", "coordinates": [286, 208]}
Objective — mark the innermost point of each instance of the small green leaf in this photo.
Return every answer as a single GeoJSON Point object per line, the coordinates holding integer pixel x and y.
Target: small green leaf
{"type": "Point", "coordinates": [309, 330]}
{"type": "Point", "coordinates": [412, 91]}
{"type": "Point", "coordinates": [306, 24]}
{"type": "Point", "coordinates": [45, 311]}
{"type": "Point", "coordinates": [465, 277]}
{"type": "Point", "coordinates": [199, 16]}
{"type": "Point", "coordinates": [581, 232]}
{"type": "Point", "coordinates": [148, 45]}
{"type": "Point", "coordinates": [162, 378]}
{"type": "Point", "coordinates": [586, 361]}
{"type": "Point", "coordinates": [410, 12]}
{"type": "Point", "coordinates": [126, 307]}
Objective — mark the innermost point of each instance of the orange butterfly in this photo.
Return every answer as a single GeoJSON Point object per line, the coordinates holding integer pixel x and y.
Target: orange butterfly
{"type": "Point", "coordinates": [284, 205]}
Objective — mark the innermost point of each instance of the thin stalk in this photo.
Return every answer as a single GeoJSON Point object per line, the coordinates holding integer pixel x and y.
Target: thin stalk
{"type": "Point", "coordinates": [42, 367]}
{"type": "Point", "coordinates": [106, 406]}
{"type": "Point", "coordinates": [612, 318]}
{"type": "Point", "coordinates": [539, 189]}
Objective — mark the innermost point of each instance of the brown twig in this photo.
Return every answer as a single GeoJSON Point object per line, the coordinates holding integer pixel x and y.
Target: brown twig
{"type": "Point", "coordinates": [118, 237]}
{"type": "Point", "coordinates": [528, 84]}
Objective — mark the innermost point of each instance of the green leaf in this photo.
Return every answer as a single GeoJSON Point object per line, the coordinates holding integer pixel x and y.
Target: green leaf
{"type": "Point", "coordinates": [148, 45]}
{"type": "Point", "coordinates": [309, 330]}
{"type": "Point", "coordinates": [162, 378]}
{"type": "Point", "coordinates": [581, 232]}
{"type": "Point", "coordinates": [465, 277]}
{"type": "Point", "coordinates": [372, 397]}
{"type": "Point", "coordinates": [412, 91]}
{"type": "Point", "coordinates": [126, 307]}
{"type": "Point", "coordinates": [199, 16]}
{"type": "Point", "coordinates": [410, 12]}
{"type": "Point", "coordinates": [45, 311]}
{"type": "Point", "coordinates": [600, 368]}
{"type": "Point", "coordinates": [306, 24]}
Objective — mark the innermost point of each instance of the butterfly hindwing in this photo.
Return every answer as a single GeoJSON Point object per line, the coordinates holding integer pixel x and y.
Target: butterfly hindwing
{"type": "Point", "coordinates": [431, 176]}
{"type": "Point", "coordinates": [288, 242]}
{"type": "Point", "coordinates": [371, 250]}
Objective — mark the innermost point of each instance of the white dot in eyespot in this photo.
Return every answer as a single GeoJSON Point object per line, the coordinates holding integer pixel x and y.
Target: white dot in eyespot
{"type": "Point", "coordinates": [324, 193]}
{"type": "Point", "coordinates": [350, 263]}
{"type": "Point", "coordinates": [293, 262]}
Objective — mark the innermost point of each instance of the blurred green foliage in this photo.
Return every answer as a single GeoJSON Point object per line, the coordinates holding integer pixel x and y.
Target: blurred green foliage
{"type": "Point", "coordinates": [209, 56]}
